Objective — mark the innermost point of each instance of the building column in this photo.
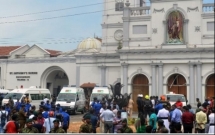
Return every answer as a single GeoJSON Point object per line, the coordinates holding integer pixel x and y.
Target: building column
{"type": "Point", "coordinates": [199, 82]}
{"type": "Point", "coordinates": [154, 93]}
{"type": "Point", "coordinates": [126, 15]}
{"type": "Point", "coordinates": [125, 78]}
{"type": "Point", "coordinates": [103, 75]}
{"type": "Point", "coordinates": [191, 90]}
{"type": "Point", "coordinates": [77, 76]}
{"type": "Point", "coordinates": [160, 80]}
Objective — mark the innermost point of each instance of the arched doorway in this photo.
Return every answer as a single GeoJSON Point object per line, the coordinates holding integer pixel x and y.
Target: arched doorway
{"type": "Point", "coordinates": [140, 85]}
{"type": "Point", "coordinates": [54, 78]}
{"type": "Point", "coordinates": [177, 84]}
{"type": "Point", "coordinates": [210, 86]}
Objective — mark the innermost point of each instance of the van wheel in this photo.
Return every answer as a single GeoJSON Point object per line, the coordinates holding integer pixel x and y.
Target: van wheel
{"type": "Point", "coordinates": [74, 112]}
{"type": "Point", "coordinates": [83, 111]}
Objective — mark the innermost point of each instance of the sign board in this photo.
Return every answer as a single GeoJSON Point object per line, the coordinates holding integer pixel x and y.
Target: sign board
{"type": "Point", "coordinates": [100, 91]}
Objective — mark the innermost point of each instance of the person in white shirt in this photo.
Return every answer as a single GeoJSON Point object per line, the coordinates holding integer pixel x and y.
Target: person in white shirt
{"type": "Point", "coordinates": [102, 120]}
{"type": "Point", "coordinates": [108, 116]}
{"type": "Point", "coordinates": [3, 118]}
{"type": "Point", "coordinates": [164, 115]}
{"type": "Point", "coordinates": [115, 110]}
{"type": "Point", "coordinates": [31, 116]}
{"type": "Point", "coordinates": [45, 99]}
{"type": "Point", "coordinates": [153, 101]}
{"type": "Point", "coordinates": [48, 124]}
{"type": "Point", "coordinates": [211, 122]}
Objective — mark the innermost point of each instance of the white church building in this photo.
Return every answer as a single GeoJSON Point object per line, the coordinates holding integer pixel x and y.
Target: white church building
{"type": "Point", "coordinates": [165, 47]}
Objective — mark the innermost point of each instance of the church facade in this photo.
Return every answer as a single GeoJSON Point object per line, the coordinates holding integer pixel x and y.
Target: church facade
{"type": "Point", "coordinates": [165, 47]}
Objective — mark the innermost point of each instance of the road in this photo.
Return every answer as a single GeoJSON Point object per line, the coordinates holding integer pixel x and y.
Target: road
{"type": "Point", "coordinates": [76, 118]}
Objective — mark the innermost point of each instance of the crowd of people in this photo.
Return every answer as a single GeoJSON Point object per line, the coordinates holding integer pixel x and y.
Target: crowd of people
{"type": "Point", "coordinates": [22, 117]}
{"type": "Point", "coordinates": [155, 115]}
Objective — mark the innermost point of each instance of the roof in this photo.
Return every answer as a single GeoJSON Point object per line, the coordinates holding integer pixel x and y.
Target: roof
{"type": "Point", "coordinates": [88, 85]}
{"type": "Point", "coordinates": [53, 52]}
{"type": "Point", "coordinates": [5, 50]}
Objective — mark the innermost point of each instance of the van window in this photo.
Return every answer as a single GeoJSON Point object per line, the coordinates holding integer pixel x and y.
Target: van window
{"type": "Point", "coordinates": [39, 96]}
{"type": "Point", "coordinates": [13, 95]}
{"type": "Point", "coordinates": [66, 96]}
{"type": "Point", "coordinates": [174, 98]}
{"type": "Point", "coordinates": [98, 96]}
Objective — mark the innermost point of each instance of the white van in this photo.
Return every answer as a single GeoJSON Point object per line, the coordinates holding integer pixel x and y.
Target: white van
{"type": "Point", "coordinates": [36, 95]}
{"type": "Point", "coordinates": [99, 93]}
{"type": "Point", "coordinates": [174, 97]}
{"type": "Point", "coordinates": [72, 99]}
{"type": "Point", "coordinates": [4, 92]}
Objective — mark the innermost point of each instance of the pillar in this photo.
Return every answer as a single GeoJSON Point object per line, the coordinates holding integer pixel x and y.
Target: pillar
{"type": "Point", "coordinates": [191, 90]}
{"type": "Point", "coordinates": [160, 80]}
{"type": "Point", "coordinates": [77, 76]}
{"type": "Point", "coordinates": [126, 15]}
{"type": "Point", "coordinates": [103, 75]}
{"type": "Point", "coordinates": [154, 93]}
{"type": "Point", "coordinates": [199, 82]}
{"type": "Point", "coordinates": [125, 78]}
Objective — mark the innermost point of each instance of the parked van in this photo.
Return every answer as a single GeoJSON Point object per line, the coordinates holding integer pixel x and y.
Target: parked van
{"type": "Point", "coordinates": [4, 92]}
{"type": "Point", "coordinates": [36, 95]}
{"type": "Point", "coordinates": [72, 99]}
{"type": "Point", "coordinates": [99, 93]}
{"type": "Point", "coordinates": [174, 97]}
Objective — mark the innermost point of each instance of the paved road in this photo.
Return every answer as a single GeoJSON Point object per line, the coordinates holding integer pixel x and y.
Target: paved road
{"type": "Point", "coordinates": [76, 118]}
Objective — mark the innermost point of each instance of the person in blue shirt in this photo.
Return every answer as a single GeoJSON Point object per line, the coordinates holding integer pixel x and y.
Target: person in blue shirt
{"type": "Point", "coordinates": [94, 102]}
{"type": "Point", "coordinates": [48, 105]}
{"type": "Point", "coordinates": [7, 108]}
{"type": "Point", "coordinates": [97, 107]}
{"type": "Point", "coordinates": [42, 103]}
{"type": "Point", "coordinates": [94, 120]}
{"type": "Point", "coordinates": [175, 119]}
{"type": "Point", "coordinates": [60, 108]}
{"type": "Point", "coordinates": [27, 106]}
{"type": "Point", "coordinates": [66, 120]}
{"type": "Point", "coordinates": [18, 105]}
{"type": "Point", "coordinates": [158, 107]}
{"type": "Point", "coordinates": [45, 113]}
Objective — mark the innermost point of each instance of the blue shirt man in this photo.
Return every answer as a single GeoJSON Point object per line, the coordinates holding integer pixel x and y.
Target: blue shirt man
{"type": "Point", "coordinates": [27, 107]}
{"type": "Point", "coordinates": [94, 120]}
{"type": "Point", "coordinates": [60, 108]}
{"type": "Point", "coordinates": [45, 113]}
{"type": "Point", "coordinates": [158, 107]}
{"type": "Point", "coordinates": [18, 105]}
{"type": "Point", "coordinates": [97, 108]}
{"type": "Point", "coordinates": [48, 106]}
{"type": "Point", "coordinates": [66, 120]}
{"type": "Point", "coordinates": [176, 116]}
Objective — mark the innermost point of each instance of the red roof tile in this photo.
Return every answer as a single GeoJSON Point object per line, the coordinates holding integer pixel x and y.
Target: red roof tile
{"type": "Point", "coordinates": [5, 50]}
{"type": "Point", "coordinates": [53, 52]}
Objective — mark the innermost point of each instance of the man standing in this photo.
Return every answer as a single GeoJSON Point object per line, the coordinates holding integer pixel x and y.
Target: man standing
{"type": "Point", "coordinates": [22, 116]}
{"type": "Point", "coordinates": [45, 99]}
{"type": "Point", "coordinates": [94, 120]}
{"type": "Point", "coordinates": [97, 106]}
{"type": "Point", "coordinates": [57, 128]}
{"type": "Point", "coordinates": [66, 120]}
{"type": "Point", "coordinates": [140, 103]}
{"type": "Point", "coordinates": [29, 127]}
{"type": "Point", "coordinates": [125, 128]}
{"type": "Point", "coordinates": [3, 118]}
{"type": "Point", "coordinates": [164, 115]}
{"type": "Point", "coordinates": [147, 106]}
{"type": "Point", "coordinates": [201, 119]}
{"type": "Point", "coordinates": [175, 119]}
{"type": "Point", "coordinates": [108, 116]}
{"type": "Point", "coordinates": [187, 120]}
{"type": "Point", "coordinates": [153, 121]}
{"type": "Point", "coordinates": [86, 127]}
{"type": "Point", "coordinates": [17, 105]}
{"type": "Point", "coordinates": [130, 107]}
{"type": "Point", "coordinates": [212, 122]}
{"type": "Point", "coordinates": [48, 105]}
{"type": "Point", "coordinates": [11, 103]}
{"type": "Point", "coordinates": [198, 102]}
{"type": "Point", "coordinates": [12, 126]}
{"type": "Point", "coordinates": [117, 122]}
{"type": "Point", "coordinates": [49, 122]}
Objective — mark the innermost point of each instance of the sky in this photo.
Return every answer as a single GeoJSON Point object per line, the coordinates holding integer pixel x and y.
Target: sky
{"type": "Point", "coordinates": [62, 34]}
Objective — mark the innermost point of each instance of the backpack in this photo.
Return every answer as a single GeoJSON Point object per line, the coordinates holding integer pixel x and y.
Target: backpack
{"type": "Point", "coordinates": [147, 104]}
{"type": "Point", "coordinates": [3, 118]}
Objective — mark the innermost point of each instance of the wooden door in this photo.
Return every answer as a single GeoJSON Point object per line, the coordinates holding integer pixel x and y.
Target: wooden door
{"type": "Point", "coordinates": [210, 86]}
{"type": "Point", "coordinates": [140, 86]}
{"type": "Point", "coordinates": [177, 84]}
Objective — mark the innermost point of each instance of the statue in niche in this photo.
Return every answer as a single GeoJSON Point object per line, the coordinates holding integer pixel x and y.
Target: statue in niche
{"type": "Point", "coordinates": [175, 28]}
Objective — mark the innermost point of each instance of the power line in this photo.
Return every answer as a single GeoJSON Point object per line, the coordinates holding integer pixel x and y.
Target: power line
{"type": "Point", "coordinates": [48, 11]}
{"type": "Point", "coordinates": [49, 18]}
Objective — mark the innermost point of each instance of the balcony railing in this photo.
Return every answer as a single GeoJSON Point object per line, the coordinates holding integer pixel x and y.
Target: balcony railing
{"type": "Point", "coordinates": [140, 11]}
{"type": "Point", "coordinates": [208, 8]}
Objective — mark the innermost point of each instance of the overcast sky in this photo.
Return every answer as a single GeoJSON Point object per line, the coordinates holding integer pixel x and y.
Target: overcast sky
{"type": "Point", "coordinates": [59, 34]}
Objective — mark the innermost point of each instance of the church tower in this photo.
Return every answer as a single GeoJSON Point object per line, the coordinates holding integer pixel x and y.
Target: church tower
{"type": "Point", "coordinates": [112, 23]}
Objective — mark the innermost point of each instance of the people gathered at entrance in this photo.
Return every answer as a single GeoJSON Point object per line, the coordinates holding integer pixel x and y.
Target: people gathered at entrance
{"type": "Point", "coordinates": [155, 115]}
